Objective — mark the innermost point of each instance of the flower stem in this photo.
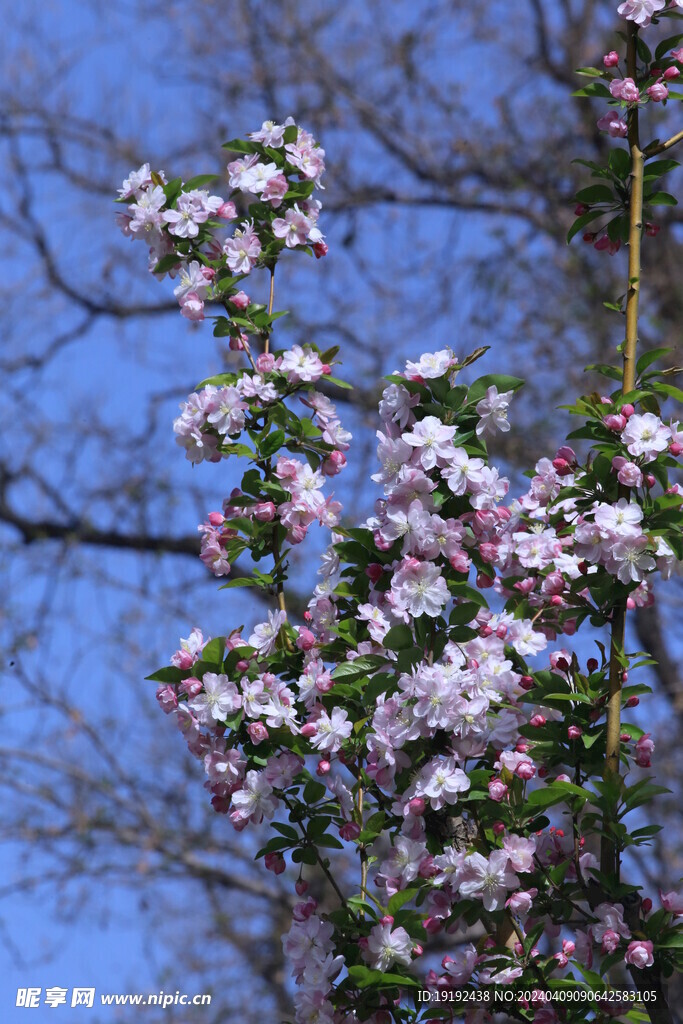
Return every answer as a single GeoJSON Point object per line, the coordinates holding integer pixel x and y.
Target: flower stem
{"type": "Point", "coordinates": [609, 854]}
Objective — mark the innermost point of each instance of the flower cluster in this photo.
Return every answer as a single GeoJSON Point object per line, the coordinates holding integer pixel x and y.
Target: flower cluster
{"type": "Point", "coordinates": [444, 737]}
{"type": "Point", "coordinates": [186, 228]}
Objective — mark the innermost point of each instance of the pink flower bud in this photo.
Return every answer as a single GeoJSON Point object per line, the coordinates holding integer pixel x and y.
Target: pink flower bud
{"type": "Point", "coordinates": [573, 732]}
{"type": "Point", "coordinates": [484, 581]}
{"type": "Point", "coordinates": [242, 665]}
{"type": "Point", "coordinates": [629, 474]}
{"type": "Point", "coordinates": [349, 831]}
{"type": "Point", "coordinates": [192, 686]}
{"type": "Point", "coordinates": [671, 73]}
{"type": "Point", "coordinates": [264, 511]}
{"type": "Point", "coordinates": [526, 682]}
{"type": "Point", "coordinates": [320, 249]}
{"type": "Point", "coordinates": [615, 421]}
{"type": "Point", "coordinates": [646, 905]}
{"type": "Point", "coordinates": [644, 750]}
{"type": "Point", "coordinates": [387, 919]}
{"type": "Point", "coordinates": [431, 925]}
{"type": "Point", "coordinates": [624, 89]}
{"type": "Point", "coordinates": [652, 230]}
{"type": "Point", "coordinates": [417, 806]}
{"type": "Point", "coordinates": [427, 867]}
{"type": "Point", "coordinates": [302, 911]}
{"type": "Point", "coordinates": [537, 721]}
{"type": "Point", "coordinates": [497, 790]}
{"type": "Point", "coordinates": [309, 729]}
{"type": "Point", "coordinates": [275, 862]}
{"type": "Point", "coordinates": [605, 244]}
{"type": "Point", "coordinates": [632, 702]}
{"type": "Point", "coordinates": [241, 300]}
{"type": "Point", "coordinates": [227, 211]}
{"type": "Point", "coordinates": [374, 572]}
{"type": "Point", "coordinates": [650, 480]}
{"type": "Point", "coordinates": [168, 700]}
{"type": "Point", "coordinates": [580, 209]}
{"type": "Point", "coordinates": [657, 92]}
{"type": "Point", "coordinates": [625, 737]}
{"type": "Point", "coordinates": [639, 954]}
{"type": "Point", "coordinates": [257, 732]}
{"type": "Point", "coordinates": [525, 770]}
{"type": "Point", "coordinates": [265, 362]}
{"type": "Point", "coordinates": [334, 463]}
{"type": "Point", "coordinates": [488, 551]}
{"type": "Point", "coordinates": [627, 410]}
{"type": "Point", "coordinates": [611, 59]}
{"type": "Point", "coordinates": [675, 448]}
{"type": "Point", "coordinates": [324, 683]}
{"type": "Point", "coordinates": [216, 518]}
{"type": "Point", "coordinates": [498, 828]}
{"type": "Point", "coordinates": [562, 467]}
{"type": "Point", "coordinates": [418, 950]}
{"type": "Point", "coordinates": [236, 345]}
{"type": "Point", "coordinates": [301, 887]}
{"type": "Point", "coordinates": [323, 768]}
{"type": "Point", "coordinates": [305, 640]}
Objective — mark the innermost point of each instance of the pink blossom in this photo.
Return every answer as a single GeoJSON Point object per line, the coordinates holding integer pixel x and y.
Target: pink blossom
{"type": "Point", "coordinates": [644, 751]}
{"type": "Point", "coordinates": [301, 364]}
{"type": "Point", "coordinates": [657, 92]}
{"type": "Point", "coordinates": [672, 901]}
{"type": "Point", "coordinates": [640, 11]}
{"type": "Point", "coordinates": [294, 227]}
{"type": "Point", "coordinates": [243, 249]}
{"type": "Point", "coordinates": [624, 89]}
{"type": "Point", "coordinates": [487, 880]}
{"type": "Point", "coordinates": [420, 589]}
{"type": "Point", "coordinates": [613, 125]}
{"type": "Point", "coordinates": [639, 954]}
{"type": "Point", "coordinates": [492, 412]}
{"type": "Point", "coordinates": [387, 946]}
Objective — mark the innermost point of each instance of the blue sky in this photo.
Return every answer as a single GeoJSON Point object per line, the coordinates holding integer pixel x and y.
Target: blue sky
{"type": "Point", "coordinates": [112, 618]}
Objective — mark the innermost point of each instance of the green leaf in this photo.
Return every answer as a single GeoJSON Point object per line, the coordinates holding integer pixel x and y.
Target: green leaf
{"type": "Point", "coordinates": [595, 194]}
{"type": "Point", "coordinates": [539, 799]}
{"type": "Point", "coordinates": [399, 638]}
{"type": "Point", "coordinates": [212, 654]}
{"type": "Point", "coordinates": [240, 146]}
{"type": "Point", "coordinates": [593, 89]}
{"type": "Point", "coordinates": [199, 181]}
{"type": "Point", "coordinates": [659, 167]}
{"type": "Point", "coordinates": [648, 358]}
{"type": "Point", "coordinates": [667, 44]}
{"type": "Point", "coordinates": [169, 674]}
{"type": "Point", "coordinates": [620, 163]}
{"type": "Point", "coordinates": [613, 372]}
{"type": "Point", "coordinates": [338, 382]}
{"type": "Point", "coordinates": [314, 791]}
{"type": "Point", "coordinates": [661, 199]}
{"type": "Point", "coordinates": [167, 263]}
{"type": "Point", "coordinates": [463, 614]}
{"type": "Point", "coordinates": [500, 380]}
{"type": "Point", "coordinates": [272, 443]}
{"type": "Point", "coordinates": [241, 581]}
{"type": "Point", "coordinates": [581, 222]}
{"type": "Point", "coordinates": [589, 72]}
{"type": "Point", "coordinates": [357, 667]}
{"type": "Point", "coordinates": [399, 899]}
